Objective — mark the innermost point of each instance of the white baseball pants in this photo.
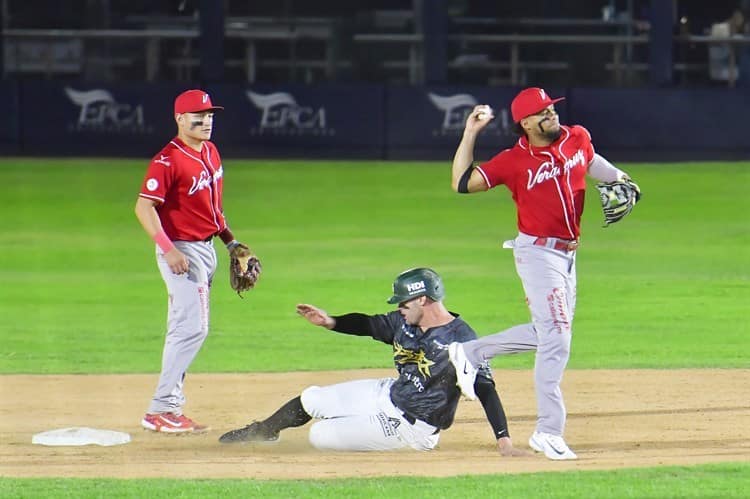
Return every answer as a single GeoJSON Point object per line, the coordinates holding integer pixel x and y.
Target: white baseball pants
{"type": "Point", "coordinates": [359, 416]}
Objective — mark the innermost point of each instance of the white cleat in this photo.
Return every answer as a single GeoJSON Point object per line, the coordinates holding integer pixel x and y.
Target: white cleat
{"type": "Point", "coordinates": [465, 371]}
{"type": "Point", "coordinates": [553, 446]}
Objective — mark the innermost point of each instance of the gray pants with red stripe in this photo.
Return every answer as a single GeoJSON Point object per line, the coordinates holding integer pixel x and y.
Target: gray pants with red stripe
{"type": "Point", "coordinates": [549, 281]}
{"type": "Point", "coordinates": [187, 321]}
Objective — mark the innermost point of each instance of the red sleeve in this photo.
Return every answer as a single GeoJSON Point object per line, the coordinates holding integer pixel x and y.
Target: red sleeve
{"type": "Point", "coordinates": [585, 140]}
{"type": "Point", "coordinates": [494, 171]}
{"type": "Point", "coordinates": [158, 178]}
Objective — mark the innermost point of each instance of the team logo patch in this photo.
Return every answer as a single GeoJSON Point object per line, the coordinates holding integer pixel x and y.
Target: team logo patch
{"type": "Point", "coordinates": [386, 424]}
{"type": "Point", "coordinates": [152, 184]}
{"type": "Point", "coordinates": [403, 356]}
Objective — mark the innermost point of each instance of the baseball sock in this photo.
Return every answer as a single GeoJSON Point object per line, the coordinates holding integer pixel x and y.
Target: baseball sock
{"type": "Point", "coordinates": [290, 415]}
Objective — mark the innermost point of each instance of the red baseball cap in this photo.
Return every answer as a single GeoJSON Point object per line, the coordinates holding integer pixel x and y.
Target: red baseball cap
{"type": "Point", "coordinates": [193, 101]}
{"type": "Point", "coordinates": [530, 101]}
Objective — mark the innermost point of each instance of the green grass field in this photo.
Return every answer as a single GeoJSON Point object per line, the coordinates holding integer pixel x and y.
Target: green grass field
{"type": "Point", "coordinates": [668, 287]}
{"type": "Point", "coordinates": [711, 481]}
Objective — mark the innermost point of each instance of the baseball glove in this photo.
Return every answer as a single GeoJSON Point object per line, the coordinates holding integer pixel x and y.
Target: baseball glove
{"type": "Point", "coordinates": [618, 199]}
{"type": "Point", "coordinates": [244, 268]}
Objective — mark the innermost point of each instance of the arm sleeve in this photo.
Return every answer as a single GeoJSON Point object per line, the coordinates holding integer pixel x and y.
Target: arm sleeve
{"type": "Point", "coordinates": [603, 170]}
{"type": "Point", "coordinates": [493, 408]}
{"type": "Point", "coordinates": [354, 323]}
{"type": "Point", "coordinates": [463, 182]}
{"type": "Point", "coordinates": [380, 327]}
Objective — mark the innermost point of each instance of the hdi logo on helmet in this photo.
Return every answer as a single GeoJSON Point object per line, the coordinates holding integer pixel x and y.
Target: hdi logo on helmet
{"type": "Point", "coordinates": [456, 109]}
{"type": "Point", "coordinates": [101, 113]}
{"type": "Point", "coordinates": [281, 115]}
{"type": "Point", "coordinates": [417, 282]}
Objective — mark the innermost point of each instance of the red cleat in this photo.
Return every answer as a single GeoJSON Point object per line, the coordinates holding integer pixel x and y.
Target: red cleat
{"type": "Point", "coordinates": [169, 422]}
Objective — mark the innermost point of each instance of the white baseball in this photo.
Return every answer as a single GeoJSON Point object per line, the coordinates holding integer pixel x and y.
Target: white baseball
{"type": "Point", "coordinates": [486, 114]}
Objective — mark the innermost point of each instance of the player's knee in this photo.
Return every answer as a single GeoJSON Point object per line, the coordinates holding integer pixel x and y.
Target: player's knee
{"type": "Point", "coordinates": [556, 328]}
{"type": "Point", "coordinates": [322, 437]}
{"type": "Point", "coordinates": [311, 401]}
{"type": "Point", "coordinates": [187, 338]}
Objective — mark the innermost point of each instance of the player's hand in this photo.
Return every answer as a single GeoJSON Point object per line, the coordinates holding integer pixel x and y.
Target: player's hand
{"type": "Point", "coordinates": [505, 446]}
{"type": "Point", "coordinates": [479, 118]}
{"type": "Point", "coordinates": [177, 261]}
{"type": "Point", "coordinates": [315, 315]}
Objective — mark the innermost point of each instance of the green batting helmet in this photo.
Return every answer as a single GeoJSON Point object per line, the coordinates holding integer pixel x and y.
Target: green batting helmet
{"type": "Point", "coordinates": [417, 282]}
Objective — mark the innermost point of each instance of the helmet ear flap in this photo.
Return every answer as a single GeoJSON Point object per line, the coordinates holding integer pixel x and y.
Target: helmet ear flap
{"type": "Point", "coordinates": [436, 291]}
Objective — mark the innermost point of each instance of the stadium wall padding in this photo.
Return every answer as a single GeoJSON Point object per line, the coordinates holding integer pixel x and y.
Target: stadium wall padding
{"type": "Point", "coordinates": [10, 135]}
{"type": "Point", "coordinates": [365, 121]}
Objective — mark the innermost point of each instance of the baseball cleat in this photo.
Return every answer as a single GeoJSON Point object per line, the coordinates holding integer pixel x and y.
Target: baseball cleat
{"type": "Point", "coordinates": [553, 446]}
{"type": "Point", "coordinates": [466, 373]}
{"type": "Point", "coordinates": [254, 432]}
{"type": "Point", "coordinates": [169, 422]}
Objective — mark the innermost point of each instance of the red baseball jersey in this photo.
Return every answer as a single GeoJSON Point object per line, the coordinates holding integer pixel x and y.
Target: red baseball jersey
{"type": "Point", "coordinates": [548, 183]}
{"type": "Point", "coordinates": [188, 187]}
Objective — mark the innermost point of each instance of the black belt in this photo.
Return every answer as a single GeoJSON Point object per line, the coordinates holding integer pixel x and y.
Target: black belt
{"type": "Point", "coordinates": [209, 239]}
{"type": "Point", "coordinates": [411, 420]}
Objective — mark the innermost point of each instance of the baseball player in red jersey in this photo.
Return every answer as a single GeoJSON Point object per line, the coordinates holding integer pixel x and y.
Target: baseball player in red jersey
{"type": "Point", "coordinates": [545, 173]}
{"type": "Point", "coordinates": [180, 208]}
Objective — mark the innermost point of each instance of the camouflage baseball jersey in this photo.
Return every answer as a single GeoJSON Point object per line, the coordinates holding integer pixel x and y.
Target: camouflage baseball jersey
{"type": "Point", "coordinates": [426, 386]}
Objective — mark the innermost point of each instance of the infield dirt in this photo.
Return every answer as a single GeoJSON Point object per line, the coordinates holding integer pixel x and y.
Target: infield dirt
{"type": "Point", "coordinates": [616, 419]}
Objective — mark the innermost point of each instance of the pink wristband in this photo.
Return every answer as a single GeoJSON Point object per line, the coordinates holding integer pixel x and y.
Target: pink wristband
{"type": "Point", "coordinates": [163, 241]}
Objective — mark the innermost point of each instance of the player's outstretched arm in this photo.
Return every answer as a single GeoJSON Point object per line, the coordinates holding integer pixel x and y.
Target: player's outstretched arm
{"type": "Point", "coordinates": [316, 316]}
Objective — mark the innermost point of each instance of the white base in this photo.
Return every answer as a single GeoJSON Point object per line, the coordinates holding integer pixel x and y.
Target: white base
{"type": "Point", "coordinates": [80, 436]}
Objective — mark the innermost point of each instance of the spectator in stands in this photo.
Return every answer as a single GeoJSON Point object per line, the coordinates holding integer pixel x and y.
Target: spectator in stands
{"type": "Point", "coordinates": [739, 24]}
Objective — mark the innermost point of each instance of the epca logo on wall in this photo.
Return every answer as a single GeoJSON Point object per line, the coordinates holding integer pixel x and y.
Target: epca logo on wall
{"type": "Point", "coordinates": [100, 112]}
{"type": "Point", "coordinates": [281, 116]}
{"type": "Point", "coordinates": [456, 108]}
